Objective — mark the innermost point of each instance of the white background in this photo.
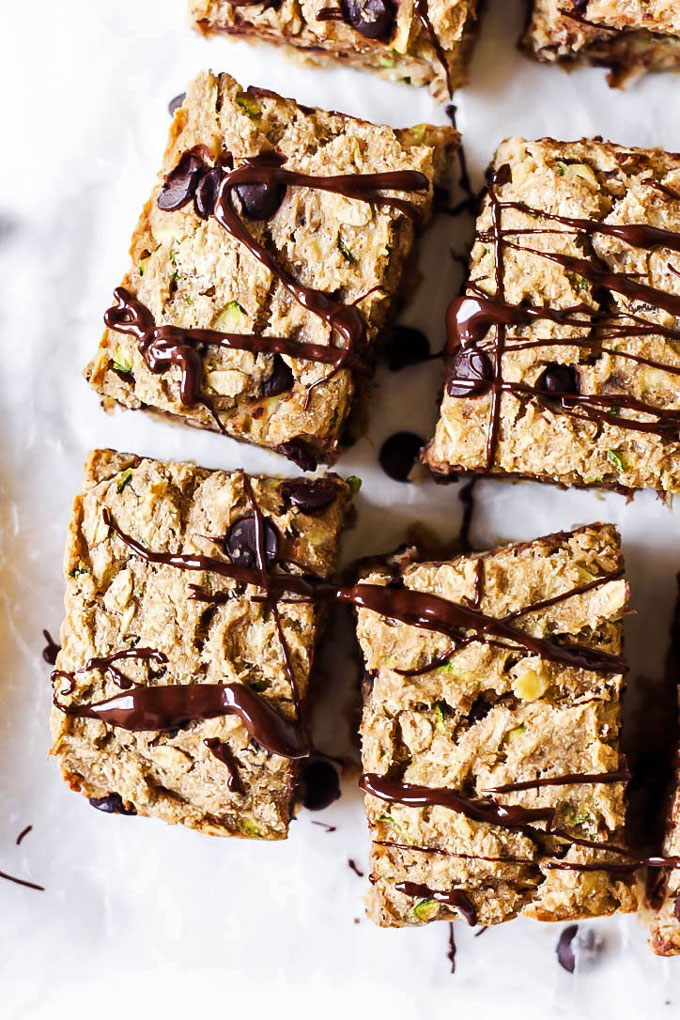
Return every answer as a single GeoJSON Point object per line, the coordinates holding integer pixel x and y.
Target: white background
{"type": "Point", "coordinates": [139, 919]}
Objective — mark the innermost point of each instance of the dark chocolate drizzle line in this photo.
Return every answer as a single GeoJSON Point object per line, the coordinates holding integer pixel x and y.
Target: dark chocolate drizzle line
{"type": "Point", "coordinates": [22, 835]}
{"type": "Point", "coordinates": [453, 898]}
{"type": "Point", "coordinates": [570, 779]}
{"type": "Point", "coordinates": [267, 170]}
{"type": "Point", "coordinates": [423, 15]}
{"type": "Point", "coordinates": [222, 752]}
{"type": "Point", "coordinates": [414, 608]}
{"type": "Point", "coordinates": [395, 792]}
{"type": "Point", "coordinates": [105, 663]}
{"type": "Point", "coordinates": [171, 706]}
{"type": "Point", "coordinates": [471, 317]}
{"type": "Point", "coordinates": [441, 660]}
{"type": "Point", "coordinates": [616, 867]}
{"type": "Point", "coordinates": [21, 881]}
{"type": "Point", "coordinates": [467, 499]}
{"type": "Point", "coordinates": [451, 954]}
{"type": "Point", "coordinates": [440, 852]}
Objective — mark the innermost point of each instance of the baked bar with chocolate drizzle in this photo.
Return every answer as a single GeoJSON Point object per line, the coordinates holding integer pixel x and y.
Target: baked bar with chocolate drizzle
{"type": "Point", "coordinates": [493, 776]}
{"type": "Point", "coordinates": [629, 38]}
{"type": "Point", "coordinates": [418, 42]}
{"type": "Point", "coordinates": [265, 265]}
{"type": "Point", "coordinates": [565, 343]}
{"type": "Point", "coordinates": [181, 684]}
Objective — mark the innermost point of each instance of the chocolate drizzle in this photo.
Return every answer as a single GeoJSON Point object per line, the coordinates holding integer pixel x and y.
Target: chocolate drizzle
{"type": "Point", "coordinates": [21, 881]}
{"type": "Point", "coordinates": [420, 8]}
{"type": "Point", "coordinates": [570, 779]}
{"type": "Point", "coordinates": [395, 792]}
{"type": "Point", "coordinates": [222, 752]}
{"type": "Point", "coordinates": [171, 706]}
{"type": "Point", "coordinates": [452, 898]}
{"type": "Point", "coordinates": [477, 325]}
{"type": "Point", "coordinates": [266, 171]}
{"type": "Point", "coordinates": [415, 608]}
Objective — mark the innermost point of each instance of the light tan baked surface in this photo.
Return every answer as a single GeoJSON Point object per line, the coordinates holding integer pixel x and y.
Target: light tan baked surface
{"type": "Point", "coordinates": [408, 56]}
{"type": "Point", "coordinates": [632, 37]}
{"type": "Point", "coordinates": [545, 719]}
{"type": "Point", "coordinates": [115, 600]}
{"type": "Point", "coordinates": [588, 180]}
{"type": "Point", "coordinates": [191, 273]}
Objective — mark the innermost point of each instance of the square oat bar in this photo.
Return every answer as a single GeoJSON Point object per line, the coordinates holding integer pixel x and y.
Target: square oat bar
{"type": "Point", "coordinates": [565, 345]}
{"type": "Point", "coordinates": [181, 683]}
{"type": "Point", "coordinates": [424, 42]}
{"type": "Point", "coordinates": [265, 265]}
{"type": "Point", "coordinates": [630, 38]}
{"type": "Point", "coordinates": [492, 770]}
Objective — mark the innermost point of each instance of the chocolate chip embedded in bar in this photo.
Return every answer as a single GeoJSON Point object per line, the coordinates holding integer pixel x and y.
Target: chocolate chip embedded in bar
{"type": "Point", "coordinates": [427, 42]}
{"type": "Point", "coordinates": [493, 776]}
{"type": "Point", "coordinates": [180, 688]}
{"type": "Point", "coordinates": [265, 266]}
{"type": "Point", "coordinates": [564, 362]}
{"type": "Point", "coordinates": [631, 39]}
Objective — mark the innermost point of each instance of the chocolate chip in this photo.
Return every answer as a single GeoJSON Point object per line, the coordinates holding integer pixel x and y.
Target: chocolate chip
{"type": "Point", "coordinates": [260, 201]}
{"type": "Point", "coordinates": [240, 543]}
{"type": "Point", "coordinates": [565, 949]}
{"type": "Point", "coordinates": [406, 346]}
{"type": "Point", "coordinates": [180, 184]}
{"type": "Point", "coordinates": [112, 805]}
{"type": "Point", "coordinates": [174, 104]}
{"type": "Point", "coordinates": [399, 453]}
{"type": "Point", "coordinates": [280, 381]}
{"type": "Point", "coordinates": [676, 909]}
{"type": "Point", "coordinates": [470, 373]}
{"type": "Point", "coordinates": [558, 379]}
{"type": "Point", "coordinates": [373, 19]}
{"type": "Point", "coordinates": [502, 176]}
{"type": "Point", "coordinates": [321, 785]}
{"type": "Point", "coordinates": [206, 192]}
{"type": "Point", "coordinates": [300, 452]}
{"type": "Point", "coordinates": [311, 496]}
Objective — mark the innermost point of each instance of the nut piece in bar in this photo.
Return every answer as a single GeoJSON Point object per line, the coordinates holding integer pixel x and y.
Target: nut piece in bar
{"type": "Point", "coordinates": [493, 776]}
{"type": "Point", "coordinates": [180, 687]}
{"type": "Point", "coordinates": [265, 265]}
{"type": "Point", "coordinates": [629, 38]}
{"type": "Point", "coordinates": [424, 42]}
{"type": "Point", "coordinates": [565, 345]}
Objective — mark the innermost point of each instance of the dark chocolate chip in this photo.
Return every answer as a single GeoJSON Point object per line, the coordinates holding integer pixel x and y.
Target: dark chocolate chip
{"type": "Point", "coordinates": [300, 453]}
{"type": "Point", "coordinates": [558, 379]}
{"type": "Point", "coordinates": [180, 184]}
{"type": "Point", "coordinates": [676, 909]}
{"type": "Point", "coordinates": [470, 374]}
{"type": "Point", "coordinates": [565, 949]}
{"type": "Point", "coordinates": [206, 192]}
{"type": "Point", "coordinates": [373, 19]}
{"type": "Point", "coordinates": [280, 381]}
{"type": "Point", "coordinates": [406, 346]}
{"type": "Point", "coordinates": [311, 496]}
{"type": "Point", "coordinates": [112, 805]}
{"type": "Point", "coordinates": [240, 543]}
{"type": "Point", "coordinates": [321, 785]}
{"type": "Point", "coordinates": [502, 176]}
{"type": "Point", "coordinates": [260, 201]}
{"type": "Point", "coordinates": [399, 453]}
{"type": "Point", "coordinates": [174, 104]}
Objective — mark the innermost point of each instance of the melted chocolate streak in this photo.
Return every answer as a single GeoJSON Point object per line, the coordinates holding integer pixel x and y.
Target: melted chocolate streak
{"type": "Point", "coordinates": [212, 190]}
{"type": "Point", "coordinates": [453, 898]}
{"type": "Point", "coordinates": [414, 608]}
{"type": "Point", "coordinates": [471, 316]}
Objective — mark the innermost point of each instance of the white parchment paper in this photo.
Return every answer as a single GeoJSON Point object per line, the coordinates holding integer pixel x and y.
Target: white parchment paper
{"type": "Point", "coordinates": [139, 919]}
